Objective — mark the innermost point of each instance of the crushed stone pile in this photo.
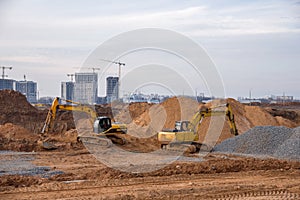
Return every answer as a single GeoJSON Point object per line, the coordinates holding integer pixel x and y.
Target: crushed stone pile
{"type": "Point", "coordinates": [280, 142]}
{"type": "Point", "coordinates": [290, 148]}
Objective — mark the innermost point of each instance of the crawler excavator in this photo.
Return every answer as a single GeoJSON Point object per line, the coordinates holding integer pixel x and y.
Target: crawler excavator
{"type": "Point", "coordinates": [101, 131]}
{"type": "Point", "coordinates": [185, 132]}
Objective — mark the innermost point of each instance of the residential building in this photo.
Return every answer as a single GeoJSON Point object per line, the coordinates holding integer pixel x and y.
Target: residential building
{"type": "Point", "coordinates": [7, 84]}
{"type": "Point", "coordinates": [27, 88]}
{"type": "Point", "coordinates": [112, 88]}
{"type": "Point", "coordinates": [86, 88]}
{"type": "Point", "coordinates": [67, 90]}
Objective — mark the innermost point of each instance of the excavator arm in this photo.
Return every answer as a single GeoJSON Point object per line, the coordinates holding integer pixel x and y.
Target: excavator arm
{"type": "Point", "coordinates": [231, 121]}
{"type": "Point", "coordinates": [48, 125]}
{"type": "Point", "coordinates": [196, 121]}
{"type": "Point", "coordinates": [190, 134]}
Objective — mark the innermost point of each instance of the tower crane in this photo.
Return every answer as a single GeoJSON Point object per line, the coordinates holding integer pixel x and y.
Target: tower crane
{"type": "Point", "coordinates": [120, 64]}
{"type": "Point", "coordinates": [94, 69]}
{"type": "Point", "coordinates": [3, 69]}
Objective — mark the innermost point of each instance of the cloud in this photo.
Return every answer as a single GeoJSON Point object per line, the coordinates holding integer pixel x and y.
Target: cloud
{"type": "Point", "coordinates": [79, 27]}
{"type": "Point", "coordinates": [196, 20]}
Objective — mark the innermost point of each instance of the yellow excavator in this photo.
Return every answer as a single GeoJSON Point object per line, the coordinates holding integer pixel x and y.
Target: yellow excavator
{"type": "Point", "coordinates": [103, 132]}
{"type": "Point", "coordinates": [185, 132]}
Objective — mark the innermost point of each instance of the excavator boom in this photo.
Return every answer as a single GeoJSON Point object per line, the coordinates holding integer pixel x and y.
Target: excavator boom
{"type": "Point", "coordinates": [102, 126]}
{"type": "Point", "coordinates": [186, 132]}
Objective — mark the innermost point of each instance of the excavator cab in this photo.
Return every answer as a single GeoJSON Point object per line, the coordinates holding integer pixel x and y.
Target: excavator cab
{"type": "Point", "coordinates": [102, 124]}
{"type": "Point", "coordinates": [181, 126]}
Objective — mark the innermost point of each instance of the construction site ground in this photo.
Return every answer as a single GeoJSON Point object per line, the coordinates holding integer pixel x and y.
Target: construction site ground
{"type": "Point", "coordinates": [28, 171]}
{"type": "Point", "coordinates": [219, 177]}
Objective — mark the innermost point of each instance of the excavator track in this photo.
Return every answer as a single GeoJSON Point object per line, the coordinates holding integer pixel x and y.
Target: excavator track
{"type": "Point", "coordinates": [96, 142]}
{"type": "Point", "coordinates": [186, 147]}
{"type": "Point", "coordinates": [93, 142]}
{"type": "Point", "coordinates": [116, 139]}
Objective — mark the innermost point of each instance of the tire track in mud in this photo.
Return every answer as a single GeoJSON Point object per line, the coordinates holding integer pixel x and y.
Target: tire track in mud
{"type": "Point", "coordinates": [269, 194]}
{"type": "Point", "coordinates": [192, 187]}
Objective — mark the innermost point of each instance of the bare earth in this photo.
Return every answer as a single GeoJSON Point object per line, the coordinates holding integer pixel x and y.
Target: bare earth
{"type": "Point", "coordinates": [218, 177]}
{"type": "Point", "coordinates": [71, 172]}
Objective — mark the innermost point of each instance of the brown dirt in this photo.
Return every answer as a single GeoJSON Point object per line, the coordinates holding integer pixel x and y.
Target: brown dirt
{"type": "Point", "coordinates": [220, 176]}
{"type": "Point", "coordinates": [15, 109]}
{"type": "Point", "coordinates": [246, 117]}
{"type": "Point", "coordinates": [17, 138]}
{"type": "Point", "coordinates": [143, 120]}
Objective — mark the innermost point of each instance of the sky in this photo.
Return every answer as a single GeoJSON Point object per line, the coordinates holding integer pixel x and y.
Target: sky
{"type": "Point", "coordinates": [253, 44]}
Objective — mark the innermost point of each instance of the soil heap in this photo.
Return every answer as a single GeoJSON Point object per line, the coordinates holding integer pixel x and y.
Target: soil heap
{"type": "Point", "coordinates": [145, 120]}
{"type": "Point", "coordinates": [15, 109]}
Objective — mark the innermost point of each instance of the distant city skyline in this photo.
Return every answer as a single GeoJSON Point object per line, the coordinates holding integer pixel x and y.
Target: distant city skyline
{"type": "Point", "coordinates": [254, 44]}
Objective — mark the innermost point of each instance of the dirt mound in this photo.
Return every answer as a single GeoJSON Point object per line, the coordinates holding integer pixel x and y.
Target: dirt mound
{"type": "Point", "coordinates": [13, 101]}
{"type": "Point", "coordinates": [145, 120]}
{"type": "Point", "coordinates": [15, 109]}
{"type": "Point", "coordinates": [17, 138]}
{"type": "Point", "coordinates": [246, 117]}
{"type": "Point", "coordinates": [63, 141]}
{"type": "Point", "coordinates": [136, 144]}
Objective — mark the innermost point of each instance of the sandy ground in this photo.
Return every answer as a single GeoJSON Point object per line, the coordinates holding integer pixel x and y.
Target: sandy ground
{"type": "Point", "coordinates": [71, 172]}
{"type": "Point", "coordinates": [219, 176]}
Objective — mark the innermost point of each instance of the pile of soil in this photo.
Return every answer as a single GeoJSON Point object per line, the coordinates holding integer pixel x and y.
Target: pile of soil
{"type": "Point", "coordinates": [143, 145]}
{"type": "Point", "coordinates": [63, 141]}
{"type": "Point", "coordinates": [143, 120]}
{"type": "Point", "coordinates": [15, 109]}
{"type": "Point", "coordinates": [17, 138]}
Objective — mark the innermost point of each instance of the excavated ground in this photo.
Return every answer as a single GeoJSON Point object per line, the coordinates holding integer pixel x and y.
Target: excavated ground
{"type": "Point", "coordinates": [221, 176]}
{"type": "Point", "coordinates": [71, 172]}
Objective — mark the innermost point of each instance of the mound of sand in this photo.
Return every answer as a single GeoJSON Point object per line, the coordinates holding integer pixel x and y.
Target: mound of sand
{"type": "Point", "coordinates": [143, 120]}
{"type": "Point", "coordinates": [15, 109]}
{"type": "Point", "coordinates": [17, 138]}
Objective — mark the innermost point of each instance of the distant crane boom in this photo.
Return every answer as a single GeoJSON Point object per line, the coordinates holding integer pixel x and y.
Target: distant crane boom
{"type": "Point", "coordinates": [3, 71]}
{"type": "Point", "coordinates": [94, 69]}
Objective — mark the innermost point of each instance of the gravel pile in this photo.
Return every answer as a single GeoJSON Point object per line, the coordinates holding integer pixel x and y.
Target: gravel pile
{"type": "Point", "coordinates": [290, 148]}
{"type": "Point", "coordinates": [280, 142]}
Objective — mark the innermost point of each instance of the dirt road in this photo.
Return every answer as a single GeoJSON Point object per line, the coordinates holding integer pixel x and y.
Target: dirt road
{"type": "Point", "coordinates": [219, 177]}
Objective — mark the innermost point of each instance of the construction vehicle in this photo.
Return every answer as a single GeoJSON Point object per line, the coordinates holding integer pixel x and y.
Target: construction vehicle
{"type": "Point", "coordinates": [185, 132]}
{"type": "Point", "coordinates": [103, 132]}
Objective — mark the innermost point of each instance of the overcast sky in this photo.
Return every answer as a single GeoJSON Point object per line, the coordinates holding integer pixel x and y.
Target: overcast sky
{"type": "Point", "coordinates": [255, 45]}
